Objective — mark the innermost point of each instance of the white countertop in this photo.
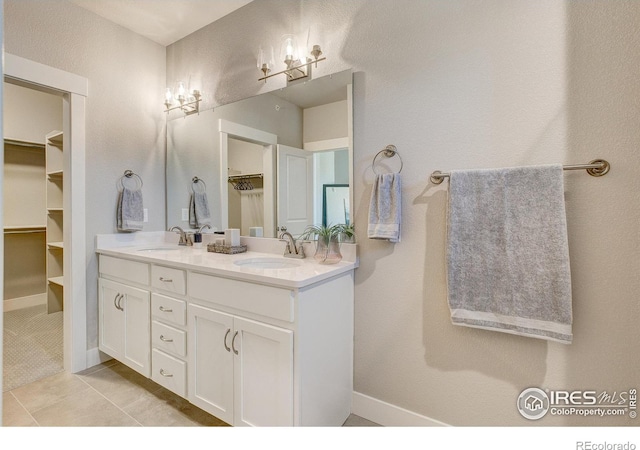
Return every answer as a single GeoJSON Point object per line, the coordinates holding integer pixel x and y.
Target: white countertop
{"type": "Point", "coordinates": [305, 273]}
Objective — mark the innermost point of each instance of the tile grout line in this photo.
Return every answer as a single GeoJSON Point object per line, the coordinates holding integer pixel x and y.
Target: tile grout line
{"type": "Point", "coordinates": [23, 407]}
{"type": "Point", "coordinates": [102, 395]}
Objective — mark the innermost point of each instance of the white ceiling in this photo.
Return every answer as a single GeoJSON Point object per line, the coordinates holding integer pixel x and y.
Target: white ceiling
{"type": "Point", "coordinates": [162, 21]}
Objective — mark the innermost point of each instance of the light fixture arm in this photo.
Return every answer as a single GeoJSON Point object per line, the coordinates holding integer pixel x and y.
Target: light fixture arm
{"type": "Point", "coordinates": [188, 107]}
{"type": "Point", "coordinates": [290, 69]}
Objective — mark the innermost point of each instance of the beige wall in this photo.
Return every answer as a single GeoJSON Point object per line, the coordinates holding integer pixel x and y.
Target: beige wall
{"type": "Point", "coordinates": [29, 115]}
{"type": "Point", "coordinates": [125, 126]}
{"type": "Point", "coordinates": [471, 84]}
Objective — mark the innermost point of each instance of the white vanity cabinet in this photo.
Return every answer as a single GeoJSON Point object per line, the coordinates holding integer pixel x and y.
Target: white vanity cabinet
{"type": "Point", "coordinates": [277, 352]}
{"type": "Point", "coordinates": [241, 370]}
{"type": "Point", "coordinates": [124, 314]}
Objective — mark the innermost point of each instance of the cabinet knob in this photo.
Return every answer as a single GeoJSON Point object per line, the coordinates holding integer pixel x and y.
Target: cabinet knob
{"type": "Point", "coordinates": [163, 309]}
{"type": "Point", "coordinates": [166, 280]}
{"type": "Point", "coordinates": [165, 374]}
{"type": "Point", "coordinates": [164, 339]}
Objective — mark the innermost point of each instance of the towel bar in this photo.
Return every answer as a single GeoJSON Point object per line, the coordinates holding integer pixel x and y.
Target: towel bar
{"type": "Point", "coordinates": [595, 168]}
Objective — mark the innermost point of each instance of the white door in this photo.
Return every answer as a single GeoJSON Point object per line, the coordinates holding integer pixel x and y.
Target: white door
{"type": "Point", "coordinates": [263, 373]}
{"type": "Point", "coordinates": [211, 361]}
{"type": "Point", "coordinates": [295, 189]}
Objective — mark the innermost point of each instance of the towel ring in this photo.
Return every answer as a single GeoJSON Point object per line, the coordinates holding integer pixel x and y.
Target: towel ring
{"type": "Point", "coordinates": [129, 174]}
{"type": "Point", "coordinates": [195, 181]}
{"type": "Point", "coordinates": [389, 151]}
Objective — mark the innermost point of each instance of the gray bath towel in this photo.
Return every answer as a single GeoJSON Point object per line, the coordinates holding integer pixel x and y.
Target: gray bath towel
{"type": "Point", "coordinates": [199, 210]}
{"type": "Point", "coordinates": [507, 252]}
{"type": "Point", "coordinates": [130, 213]}
{"type": "Point", "coordinates": [385, 208]}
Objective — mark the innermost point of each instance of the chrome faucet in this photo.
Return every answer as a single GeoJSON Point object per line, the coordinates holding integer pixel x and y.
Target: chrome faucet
{"type": "Point", "coordinates": [206, 225]}
{"type": "Point", "coordinates": [293, 249]}
{"type": "Point", "coordinates": [183, 235]}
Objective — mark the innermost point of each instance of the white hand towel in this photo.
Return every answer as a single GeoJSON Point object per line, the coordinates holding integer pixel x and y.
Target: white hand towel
{"type": "Point", "coordinates": [130, 212]}
{"type": "Point", "coordinates": [385, 208]}
{"type": "Point", "coordinates": [507, 252]}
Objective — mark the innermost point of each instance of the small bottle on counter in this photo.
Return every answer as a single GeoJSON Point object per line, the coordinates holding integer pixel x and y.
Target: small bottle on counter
{"type": "Point", "coordinates": [197, 240]}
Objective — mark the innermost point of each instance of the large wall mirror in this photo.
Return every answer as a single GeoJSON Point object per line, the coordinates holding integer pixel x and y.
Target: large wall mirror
{"type": "Point", "coordinates": [265, 163]}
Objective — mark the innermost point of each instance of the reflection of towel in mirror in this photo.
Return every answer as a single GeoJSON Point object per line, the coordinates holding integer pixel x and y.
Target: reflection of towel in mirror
{"type": "Point", "coordinates": [130, 214]}
{"type": "Point", "coordinates": [385, 208]}
{"type": "Point", "coordinates": [199, 210]}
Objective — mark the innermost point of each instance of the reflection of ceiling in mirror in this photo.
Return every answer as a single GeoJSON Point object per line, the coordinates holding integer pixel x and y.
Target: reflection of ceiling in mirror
{"type": "Point", "coordinates": [327, 89]}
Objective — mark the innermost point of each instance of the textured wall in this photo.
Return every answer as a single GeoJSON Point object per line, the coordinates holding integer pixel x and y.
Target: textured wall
{"type": "Point", "coordinates": [125, 126]}
{"type": "Point", "coordinates": [470, 84]}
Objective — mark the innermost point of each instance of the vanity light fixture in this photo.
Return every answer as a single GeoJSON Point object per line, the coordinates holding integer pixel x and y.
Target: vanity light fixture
{"type": "Point", "coordinates": [180, 98]}
{"type": "Point", "coordinates": [298, 65]}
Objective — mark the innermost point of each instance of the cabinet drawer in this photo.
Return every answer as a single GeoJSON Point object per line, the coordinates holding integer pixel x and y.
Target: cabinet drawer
{"type": "Point", "coordinates": [168, 279]}
{"type": "Point", "coordinates": [168, 338]}
{"type": "Point", "coordinates": [169, 372]}
{"type": "Point", "coordinates": [134, 271]}
{"type": "Point", "coordinates": [267, 301]}
{"type": "Point", "coordinates": [169, 309]}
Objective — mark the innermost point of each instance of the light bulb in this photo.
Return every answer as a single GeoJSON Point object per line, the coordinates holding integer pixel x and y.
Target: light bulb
{"type": "Point", "coordinates": [181, 92]}
{"type": "Point", "coordinates": [289, 49]}
{"type": "Point", "coordinates": [168, 98]}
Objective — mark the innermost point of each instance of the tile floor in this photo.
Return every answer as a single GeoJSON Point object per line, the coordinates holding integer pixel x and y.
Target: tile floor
{"type": "Point", "coordinates": [109, 394]}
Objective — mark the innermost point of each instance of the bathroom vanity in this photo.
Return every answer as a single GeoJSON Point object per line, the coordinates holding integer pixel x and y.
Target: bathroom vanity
{"type": "Point", "coordinates": [255, 339]}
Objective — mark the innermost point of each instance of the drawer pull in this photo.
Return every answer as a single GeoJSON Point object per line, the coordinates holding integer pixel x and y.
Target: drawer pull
{"type": "Point", "coordinates": [163, 309]}
{"type": "Point", "coordinates": [164, 374]}
{"type": "Point", "coordinates": [226, 347]}
{"type": "Point", "coordinates": [233, 342]}
{"type": "Point", "coordinates": [164, 339]}
{"type": "Point", "coordinates": [166, 280]}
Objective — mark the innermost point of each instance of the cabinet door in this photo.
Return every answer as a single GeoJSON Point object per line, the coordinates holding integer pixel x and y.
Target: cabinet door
{"type": "Point", "coordinates": [124, 321]}
{"type": "Point", "coordinates": [136, 305]}
{"type": "Point", "coordinates": [263, 374]}
{"type": "Point", "coordinates": [111, 319]}
{"type": "Point", "coordinates": [211, 361]}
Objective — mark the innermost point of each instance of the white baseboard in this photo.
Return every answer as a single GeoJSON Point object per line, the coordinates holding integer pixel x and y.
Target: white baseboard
{"type": "Point", "coordinates": [389, 415]}
{"type": "Point", "coordinates": [11, 304]}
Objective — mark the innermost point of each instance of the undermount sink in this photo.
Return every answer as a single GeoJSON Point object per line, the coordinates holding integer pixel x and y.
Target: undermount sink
{"type": "Point", "coordinates": [157, 249]}
{"type": "Point", "coordinates": [268, 263]}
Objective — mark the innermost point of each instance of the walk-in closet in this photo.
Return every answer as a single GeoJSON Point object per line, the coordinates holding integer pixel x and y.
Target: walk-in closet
{"type": "Point", "coordinates": [33, 243]}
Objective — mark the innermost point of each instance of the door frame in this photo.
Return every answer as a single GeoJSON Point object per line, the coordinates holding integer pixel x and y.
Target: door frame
{"type": "Point", "coordinates": [268, 141]}
{"type": "Point", "coordinates": [74, 90]}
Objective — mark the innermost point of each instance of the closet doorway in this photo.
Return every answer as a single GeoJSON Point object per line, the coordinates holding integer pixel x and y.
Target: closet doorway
{"type": "Point", "coordinates": [72, 89]}
{"type": "Point", "coordinates": [33, 242]}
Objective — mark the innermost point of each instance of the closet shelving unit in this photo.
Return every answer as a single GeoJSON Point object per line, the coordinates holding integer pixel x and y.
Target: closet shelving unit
{"type": "Point", "coordinates": [55, 244]}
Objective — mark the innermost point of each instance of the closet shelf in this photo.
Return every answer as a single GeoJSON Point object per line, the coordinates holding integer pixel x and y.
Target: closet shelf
{"type": "Point", "coordinates": [54, 210]}
{"type": "Point", "coordinates": [56, 245]}
{"type": "Point", "coordinates": [55, 137]}
{"type": "Point", "coordinates": [55, 174]}
{"type": "Point", "coordinates": [57, 280]}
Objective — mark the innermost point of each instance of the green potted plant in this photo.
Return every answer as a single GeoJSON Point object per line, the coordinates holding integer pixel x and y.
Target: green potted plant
{"type": "Point", "coordinates": [348, 233]}
{"type": "Point", "coordinates": [327, 242]}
